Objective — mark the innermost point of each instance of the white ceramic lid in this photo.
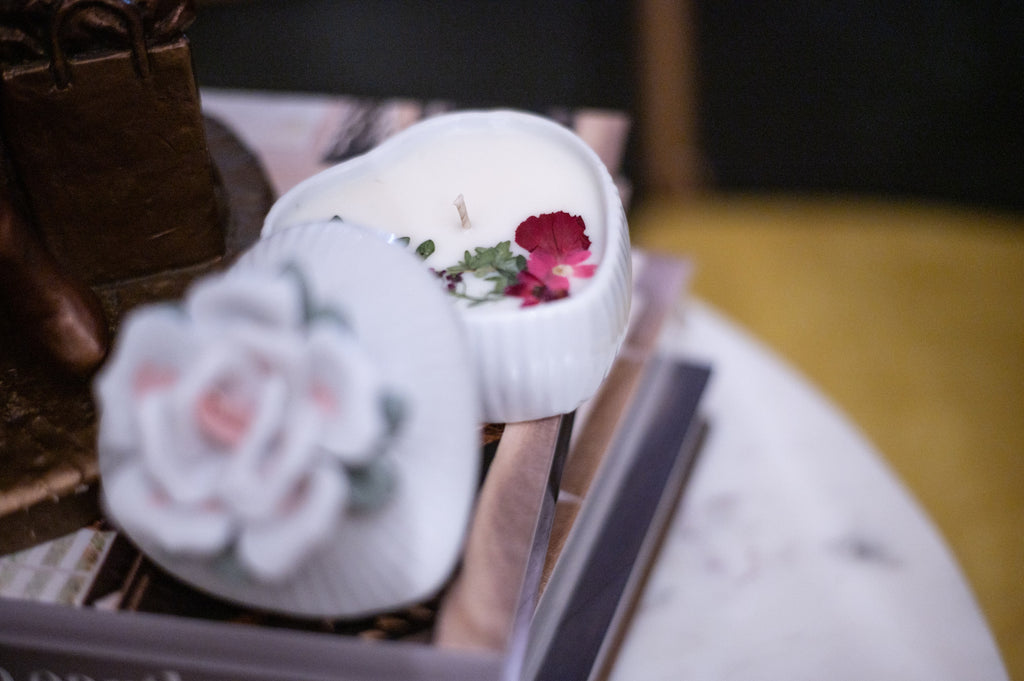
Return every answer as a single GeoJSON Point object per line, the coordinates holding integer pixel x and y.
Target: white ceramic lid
{"type": "Point", "coordinates": [376, 559]}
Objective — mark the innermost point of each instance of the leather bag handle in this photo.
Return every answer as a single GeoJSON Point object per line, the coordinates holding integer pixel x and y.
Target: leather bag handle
{"type": "Point", "coordinates": [124, 9]}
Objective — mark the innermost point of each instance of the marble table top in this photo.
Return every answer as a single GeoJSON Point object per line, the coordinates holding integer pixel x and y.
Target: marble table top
{"type": "Point", "coordinates": [795, 552]}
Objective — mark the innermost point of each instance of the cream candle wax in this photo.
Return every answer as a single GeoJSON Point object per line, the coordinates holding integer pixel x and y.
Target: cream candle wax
{"type": "Point", "coordinates": [521, 220]}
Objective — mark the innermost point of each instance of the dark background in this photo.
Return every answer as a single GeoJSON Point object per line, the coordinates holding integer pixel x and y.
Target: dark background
{"type": "Point", "coordinates": [909, 98]}
{"type": "Point", "coordinates": [525, 53]}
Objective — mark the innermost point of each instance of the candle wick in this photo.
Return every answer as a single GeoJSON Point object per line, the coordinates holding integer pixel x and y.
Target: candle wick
{"type": "Point", "coordinates": [460, 205]}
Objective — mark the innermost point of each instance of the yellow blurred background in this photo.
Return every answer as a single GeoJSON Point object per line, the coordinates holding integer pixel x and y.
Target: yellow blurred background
{"type": "Point", "coordinates": [906, 311]}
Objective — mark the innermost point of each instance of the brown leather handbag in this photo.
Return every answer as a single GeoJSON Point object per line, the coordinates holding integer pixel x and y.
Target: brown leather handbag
{"type": "Point", "coordinates": [106, 137]}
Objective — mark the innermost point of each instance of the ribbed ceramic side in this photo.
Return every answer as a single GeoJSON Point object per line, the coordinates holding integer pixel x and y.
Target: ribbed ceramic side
{"type": "Point", "coordinates": [549, 359]}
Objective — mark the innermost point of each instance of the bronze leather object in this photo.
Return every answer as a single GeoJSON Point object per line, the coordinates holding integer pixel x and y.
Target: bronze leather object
{"type": "Point", "coordinates": [114, 192]}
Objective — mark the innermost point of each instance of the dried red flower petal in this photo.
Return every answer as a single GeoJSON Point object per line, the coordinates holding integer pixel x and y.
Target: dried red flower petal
{"type": "Point", "coordinates": [556, 233]}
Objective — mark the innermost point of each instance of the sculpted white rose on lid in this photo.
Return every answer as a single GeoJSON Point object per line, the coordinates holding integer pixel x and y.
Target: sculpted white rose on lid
{"type": "Point", "coordinates": [243, 421]}
{"type": "Point", "coordinates": [522, 224]}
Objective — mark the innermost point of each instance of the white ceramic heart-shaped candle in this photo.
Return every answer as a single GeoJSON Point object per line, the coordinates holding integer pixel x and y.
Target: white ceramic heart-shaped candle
{"type": "Point", "coordinates": [523, 223]}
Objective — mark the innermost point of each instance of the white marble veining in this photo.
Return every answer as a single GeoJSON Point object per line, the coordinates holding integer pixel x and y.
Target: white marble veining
{"type": "Point", "coordinates": [795, 553]}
